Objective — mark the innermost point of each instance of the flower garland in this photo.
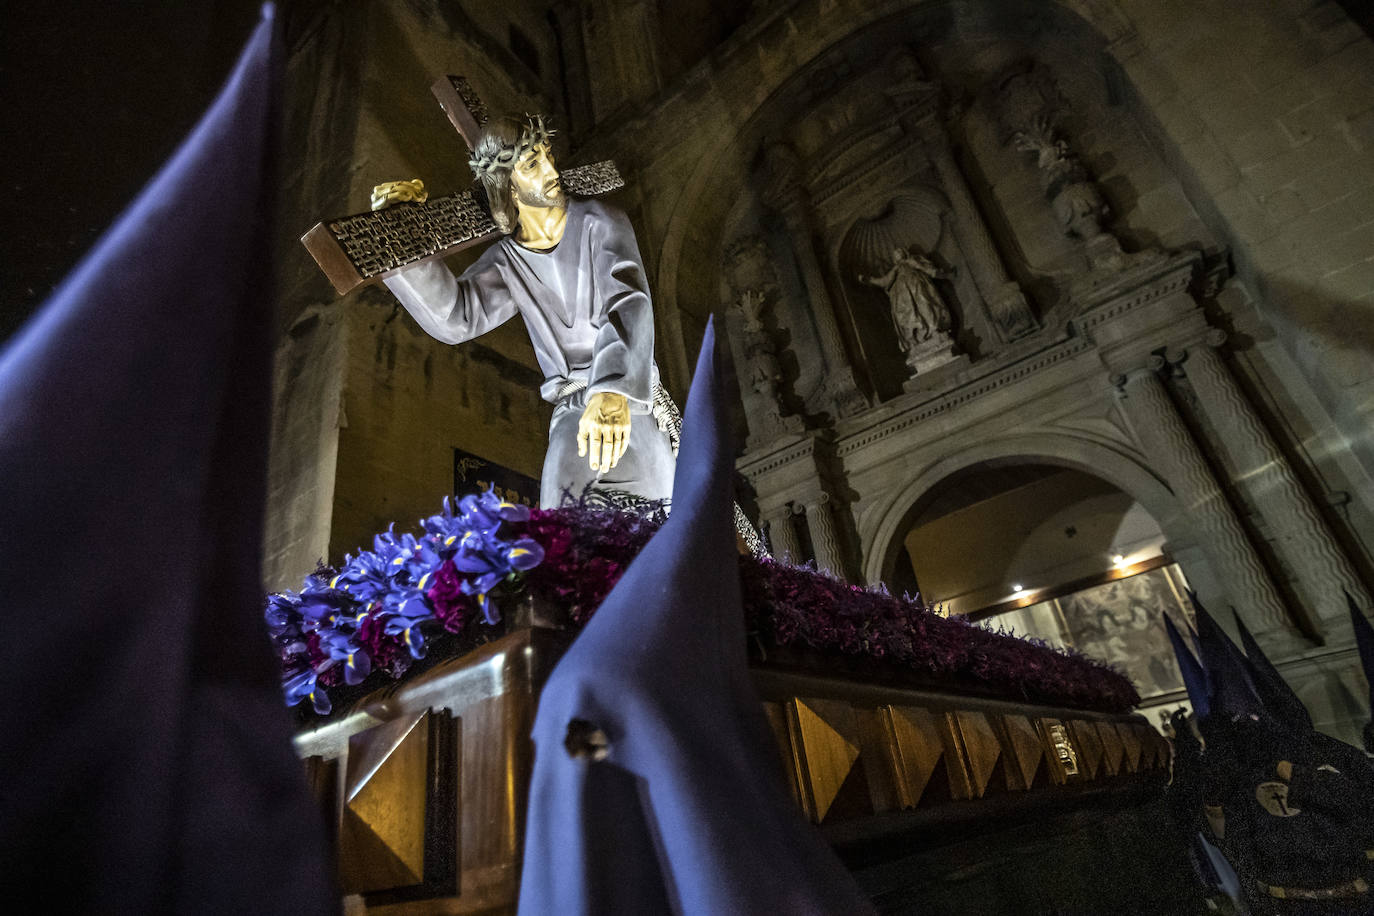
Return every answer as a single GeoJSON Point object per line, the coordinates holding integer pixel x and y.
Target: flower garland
{"type": "Point", "coordinates": [373, 615]}
{"type": "Point", "coordinates": [801, 608]}
{"type": "Point", "coordinates": [375, 611]}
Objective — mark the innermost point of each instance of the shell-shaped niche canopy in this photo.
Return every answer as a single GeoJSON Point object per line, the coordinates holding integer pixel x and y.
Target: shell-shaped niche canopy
{"type": "Point", "coordinates": [910, 219]}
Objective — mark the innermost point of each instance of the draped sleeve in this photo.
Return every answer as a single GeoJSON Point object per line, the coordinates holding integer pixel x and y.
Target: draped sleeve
{"type": "Point", "coordinates": [623, 358]}
{"type": "Point", "coordinates": [454, 309]}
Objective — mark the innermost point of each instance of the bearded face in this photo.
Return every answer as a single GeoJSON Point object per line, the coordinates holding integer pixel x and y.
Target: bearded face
{"type": "Point", "coordinates": [534, 179]}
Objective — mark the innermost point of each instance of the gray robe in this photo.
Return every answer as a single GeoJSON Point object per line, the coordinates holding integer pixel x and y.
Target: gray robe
{"type": "Point", "coordinates": [586, 305]}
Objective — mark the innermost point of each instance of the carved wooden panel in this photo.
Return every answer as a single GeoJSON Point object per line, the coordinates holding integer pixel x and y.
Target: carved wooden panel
{"type": "Point", "coordinates": [1089, 744]}
{"type": "Point", "coordinates": [1132, 744]}
{"type": "Point", "coordinates": [498, 759]}
{"type": "Point", "coordinates": [826, 743]}
{"type": "Point", "coordinates": [1061, 751]}
{"type": "Point", "coordinates": [1163, 750]}
{"type": "Point", "coordinates": [397, 835]}
{"type": "Point", "coordinates": [981, 748]}
{"type": "Point", "coordinates": [913, 748]}
{"type": "Point", "coordinates": [777, 724]}
{"type": "Point", "coordinates": [1023, 751]}
{"type": "Point", "coordinates": [1112, 749]}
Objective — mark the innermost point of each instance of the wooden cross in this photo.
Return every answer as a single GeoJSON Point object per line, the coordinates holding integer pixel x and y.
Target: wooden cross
{"type": "Point", "coordinates": [366, 247]}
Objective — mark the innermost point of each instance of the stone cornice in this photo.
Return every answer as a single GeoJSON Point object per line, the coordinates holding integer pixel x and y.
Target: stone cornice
{"type": "Point", "coordinates": [1174, 276]}
{"type": "Point", "coordinates": [974, 389]}
{"type": "Point", "coordinates": [784, 452]}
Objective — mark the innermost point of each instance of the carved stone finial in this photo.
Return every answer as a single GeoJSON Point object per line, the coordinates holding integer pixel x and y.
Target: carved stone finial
{"type": "Point", "coordinates": [1027, 102]}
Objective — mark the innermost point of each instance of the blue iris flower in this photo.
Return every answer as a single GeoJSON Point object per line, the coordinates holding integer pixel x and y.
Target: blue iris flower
{"type": "Point", "coordinates": [403, 610]}
{"type": "Point", "coordinates": [364, 577]}
{"type": "Point", "coordinates": [283, 615]}
{"type": "Point", "coordinates": [408, 628]}
{"type": "Point", "coordinates": [524, 554]}
{"type": "Point", "coordinates": [438, 526]}
{"type": "Point", "coordinates": [305, 684]}
{"type": "Point", "coordinates": [344, 647]}
{"type": "Point", "coordinates": [487, 511]}
{"type": "Point", "coordinates": [421, 563]}
{"type": "Point", "coordinates": [487, 604]}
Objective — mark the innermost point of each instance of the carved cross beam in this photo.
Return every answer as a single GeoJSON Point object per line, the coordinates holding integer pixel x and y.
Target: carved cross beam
{"type": "Point", "coordinates": [366, 247]}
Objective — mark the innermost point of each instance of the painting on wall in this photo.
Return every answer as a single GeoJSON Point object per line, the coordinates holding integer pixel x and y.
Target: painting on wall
{"type": "Point", "coordinates": [1120, 622]}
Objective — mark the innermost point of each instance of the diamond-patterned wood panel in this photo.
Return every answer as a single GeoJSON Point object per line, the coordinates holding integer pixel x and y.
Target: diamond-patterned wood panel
{"type": "Point", "coordinates": [1089, 745]}
{"type": "Point", "coordinates": [914, 748]}
{"type": "Point", "coordinates": [1112, 749]}
{"type": "Point", "coordinates": [825, 742]}
{"type": "Point", "coordinates": [1132, 743]}
{"type": "Point", "coordinates": [382, 836]}
{"type": "Point", "coordinates": [981, 750]}
{"type": "Point", "coordinates": [1023, 751]}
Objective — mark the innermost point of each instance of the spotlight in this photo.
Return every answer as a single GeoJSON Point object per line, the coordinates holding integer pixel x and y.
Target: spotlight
{"type": "Point", "coordinates": [1017, 588]}
{"type": "Point", "coordinates": [1118, 560]}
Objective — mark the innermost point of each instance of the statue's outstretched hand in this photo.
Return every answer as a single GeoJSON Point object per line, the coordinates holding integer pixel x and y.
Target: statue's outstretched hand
{"type": "Point", "coordinates": [392, 192]}
{"type": "Point", "coordinates": [604, 430]}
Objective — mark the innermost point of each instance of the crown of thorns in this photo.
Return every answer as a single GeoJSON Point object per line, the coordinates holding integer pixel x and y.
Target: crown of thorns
{"type": "Point", "coordinates": [534, 133]}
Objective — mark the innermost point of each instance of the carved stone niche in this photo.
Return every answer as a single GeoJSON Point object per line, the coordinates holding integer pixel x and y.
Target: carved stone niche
{"type": "Point", "coordinates": [750, 290]}
{"type": "Point", "coordinates": [1029, 109]}
{"type": "Point", "coordinates": [896, 277]}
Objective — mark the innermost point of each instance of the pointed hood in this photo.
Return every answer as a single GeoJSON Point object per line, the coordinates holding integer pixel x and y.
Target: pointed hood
{"type": "Point", "coordinates": [1193, 676]}
{"type": "Point", "coordinates": [1231, 691]}
{"type": "Point", "coordinates": [1273, 690]}
{"type": "Point", "coordinates": [655, 785]}
{"type": "Point", "coordinates": [134, 419]}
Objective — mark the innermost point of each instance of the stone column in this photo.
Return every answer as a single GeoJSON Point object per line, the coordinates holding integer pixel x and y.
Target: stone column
{"type": "Point", "coordinates": [824, 539]}
{"type": "Point", "coordinates": [1320, 566]}
{"type": "Point", "coordinates": [783, 537]}
{"type": "Point", "coordinates": [786, 194]}
{"type": "Point", "coordinates": [1161, 431]}
{"type": "Point", "coordinates": [1006, 304]}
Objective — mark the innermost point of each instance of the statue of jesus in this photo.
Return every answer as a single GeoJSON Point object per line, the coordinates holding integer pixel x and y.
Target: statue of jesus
{"type": "Point", "coordinates": [571, 268]}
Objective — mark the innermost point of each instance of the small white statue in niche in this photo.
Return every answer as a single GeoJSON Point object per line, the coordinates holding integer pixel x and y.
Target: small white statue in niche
{"type": "Point", "coordinates": [918, 310]}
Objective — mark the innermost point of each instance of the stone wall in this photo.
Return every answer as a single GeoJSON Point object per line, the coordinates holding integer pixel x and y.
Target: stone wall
{"type": "Point", "coordinates": [369, 409]}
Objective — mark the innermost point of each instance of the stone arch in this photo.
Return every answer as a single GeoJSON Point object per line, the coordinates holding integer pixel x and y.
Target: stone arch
{"type": "Point", "coordinates": [880, 540]}
{"type": "Point", "coordinates": [707, 191]}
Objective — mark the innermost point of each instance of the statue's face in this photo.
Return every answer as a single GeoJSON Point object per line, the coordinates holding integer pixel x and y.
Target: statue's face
{"type": "Point", "coordinates": [534, 179]}
{"type": "Point", "coordinates": [897, 254]}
